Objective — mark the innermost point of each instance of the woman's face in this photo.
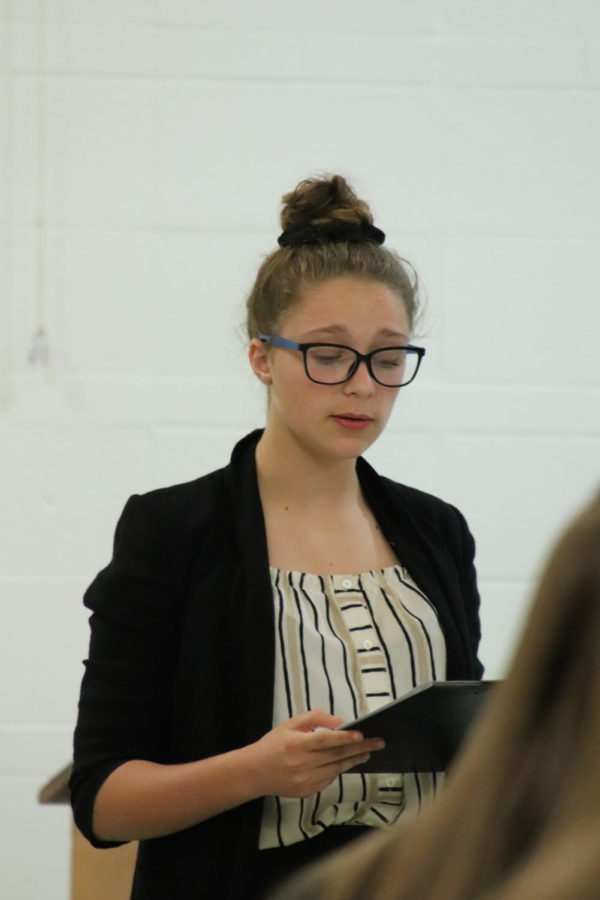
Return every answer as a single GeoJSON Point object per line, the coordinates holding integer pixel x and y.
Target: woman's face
{"type": "Point", "coordinates": [332, 421]}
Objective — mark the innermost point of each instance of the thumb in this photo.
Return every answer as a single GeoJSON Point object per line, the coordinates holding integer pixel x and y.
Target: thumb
{"type": "Point", "coordinates": [314, 718]}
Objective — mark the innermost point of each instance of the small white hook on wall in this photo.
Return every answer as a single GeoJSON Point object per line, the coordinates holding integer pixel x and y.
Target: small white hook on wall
{"type": "Point", "coordinates": [39, 353]}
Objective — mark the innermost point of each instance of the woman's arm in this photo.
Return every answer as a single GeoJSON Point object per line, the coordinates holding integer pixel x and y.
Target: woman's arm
{"type": "Point", "coordinates": [471, 595]}
{"type": "Point", "coordinates": [143, 799]}
{"type": "Point", "coordinates": [121, 787]}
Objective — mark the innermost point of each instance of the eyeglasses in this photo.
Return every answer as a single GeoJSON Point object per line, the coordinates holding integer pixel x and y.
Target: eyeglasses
{"type": "Point", "coordinates": [336, 363]}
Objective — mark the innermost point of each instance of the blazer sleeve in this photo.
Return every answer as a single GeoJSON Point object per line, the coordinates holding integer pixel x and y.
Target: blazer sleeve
{"type": "Point", "coordinates": [471, 599]}
{"type": "Point", "coordinates": [124, 705]}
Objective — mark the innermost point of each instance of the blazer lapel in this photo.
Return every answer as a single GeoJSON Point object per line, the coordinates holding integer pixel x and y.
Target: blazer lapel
{"type": "Point", "coordinates": [430, 564]}
{"type": "Point", "coordinates": [256, 616]}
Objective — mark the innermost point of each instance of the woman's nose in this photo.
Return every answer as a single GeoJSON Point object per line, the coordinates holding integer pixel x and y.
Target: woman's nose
{"type": "Point", "coordinates": [361, 381]}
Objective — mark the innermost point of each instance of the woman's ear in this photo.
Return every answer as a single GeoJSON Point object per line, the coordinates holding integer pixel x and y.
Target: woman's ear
{"type": "Point", "coordinates": [260, 360]}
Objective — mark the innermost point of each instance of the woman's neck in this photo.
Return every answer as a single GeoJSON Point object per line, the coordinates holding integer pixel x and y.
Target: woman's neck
{"type": "Point", "coordinates": [288, 473]}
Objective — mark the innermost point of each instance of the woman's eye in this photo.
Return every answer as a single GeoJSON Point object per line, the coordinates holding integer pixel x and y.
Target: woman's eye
{"type": "Point", "coordinates": [390, 363]}
{"type": "Point", "coordinates": [328, 358]}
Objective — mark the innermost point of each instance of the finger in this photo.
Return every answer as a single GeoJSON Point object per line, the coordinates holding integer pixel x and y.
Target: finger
{"type": "Point", "coordinates": [344, 741]}
{"type": "Point", "coordinates": [332, 770]}
{"type": "Point", "coordinates": [321, 740]}
{"type": "Point", "coordinates": [336, 755]}
{"type": "Point", "coordinates": [314, 718]}
{"type": "Point", "coordinates": [355, 761]}
{"type": "Point", "coordinates": [370, 746]}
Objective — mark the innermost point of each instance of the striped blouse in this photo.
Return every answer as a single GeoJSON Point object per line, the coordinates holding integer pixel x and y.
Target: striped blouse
{"type": "Point", "coordinates": [348, 644]}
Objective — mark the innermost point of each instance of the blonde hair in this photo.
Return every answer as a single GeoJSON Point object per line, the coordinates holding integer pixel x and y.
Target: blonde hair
{"type": "Point", "coordinates": [520, 817]}
{"type": "Point", "coordinates": [285, 273]}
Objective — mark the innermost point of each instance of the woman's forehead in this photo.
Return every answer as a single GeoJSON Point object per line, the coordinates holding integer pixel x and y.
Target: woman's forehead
{"type": "Point", "coordinates": [343, 306]}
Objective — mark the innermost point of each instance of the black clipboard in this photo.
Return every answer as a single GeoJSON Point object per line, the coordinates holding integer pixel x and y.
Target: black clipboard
{"type": "Point", "coordinates": [422, 729]}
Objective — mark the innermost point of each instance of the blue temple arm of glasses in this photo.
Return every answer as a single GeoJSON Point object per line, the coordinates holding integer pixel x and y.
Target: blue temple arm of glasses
{"type": "Point", "coordinates": [279, 341]}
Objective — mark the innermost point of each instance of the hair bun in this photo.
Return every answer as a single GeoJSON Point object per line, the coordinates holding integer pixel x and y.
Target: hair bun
{"type": "Point", "coordinates": [323, 201]}
{"type": "Point", "coordinates": [326, 213]}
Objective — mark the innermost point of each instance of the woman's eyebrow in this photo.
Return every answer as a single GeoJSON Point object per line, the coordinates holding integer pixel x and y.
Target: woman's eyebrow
{"type": "Point", "coordinates": [342, 330]}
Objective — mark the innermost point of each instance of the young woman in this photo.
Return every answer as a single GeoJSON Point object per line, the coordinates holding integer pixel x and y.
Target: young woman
{"type": "Point", "coordinates": [245, 615]}
{"type": "Point", "coordinates": [520, 818]}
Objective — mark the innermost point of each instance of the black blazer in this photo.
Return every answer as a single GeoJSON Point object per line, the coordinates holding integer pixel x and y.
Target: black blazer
{"type": "Point", "coordinates": [182, 645]}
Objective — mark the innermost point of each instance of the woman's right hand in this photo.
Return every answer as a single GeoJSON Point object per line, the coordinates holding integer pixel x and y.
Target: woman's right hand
{"type": "Point", "coordinates": [142, 799]}
{"type": "Point", "coordinates": [303, 755]}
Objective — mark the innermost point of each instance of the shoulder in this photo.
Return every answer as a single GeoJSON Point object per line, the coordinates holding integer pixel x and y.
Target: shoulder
{"type": "Point", "coordinates": [422, 503]}
{"type": "Point", "coordinates": [180, 517]}
{"type": "Point", "coordinates": [421, 507]}
{"type": "Point", "coordinates": [179, 499]}
{"type": "Point", "coordinates": [206, 495]}
{"type": "Point", "coordinates": [169, 522]}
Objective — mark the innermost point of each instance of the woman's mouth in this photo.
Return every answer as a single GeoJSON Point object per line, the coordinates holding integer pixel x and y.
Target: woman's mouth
{"type": "Point", "coordinates": [352, 422]}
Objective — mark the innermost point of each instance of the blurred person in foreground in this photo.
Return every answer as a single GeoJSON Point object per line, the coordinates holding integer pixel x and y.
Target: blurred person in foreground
{"type": "Point", "coordinates": [520, 818]}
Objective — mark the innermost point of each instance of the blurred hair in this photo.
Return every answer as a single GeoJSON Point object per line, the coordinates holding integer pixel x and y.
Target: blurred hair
{"type": "Point", "coordinates": [520, 817]}
{"type": "Point", "coordinates": [286, 272]}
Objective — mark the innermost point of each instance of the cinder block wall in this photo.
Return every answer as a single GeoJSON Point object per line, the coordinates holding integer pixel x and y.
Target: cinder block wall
{"type": "Point", "coordinates": [143, 149]}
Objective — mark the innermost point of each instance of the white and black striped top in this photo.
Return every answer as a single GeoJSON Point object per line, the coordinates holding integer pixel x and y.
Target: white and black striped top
{"type": "Point", "coordinates": [348, 644]}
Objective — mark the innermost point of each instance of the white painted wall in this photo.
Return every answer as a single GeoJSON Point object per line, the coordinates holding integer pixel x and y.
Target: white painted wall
{"type": "Point", "coordinates": [170, 129]}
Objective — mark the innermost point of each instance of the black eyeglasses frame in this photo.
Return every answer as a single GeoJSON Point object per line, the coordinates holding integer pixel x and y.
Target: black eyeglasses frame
{"type": "Point", "coordinates": [277, 341]}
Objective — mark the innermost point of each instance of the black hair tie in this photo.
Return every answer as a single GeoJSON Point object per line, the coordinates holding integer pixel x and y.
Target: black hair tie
{"type": "Point", "coordinates": [331, 233]}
